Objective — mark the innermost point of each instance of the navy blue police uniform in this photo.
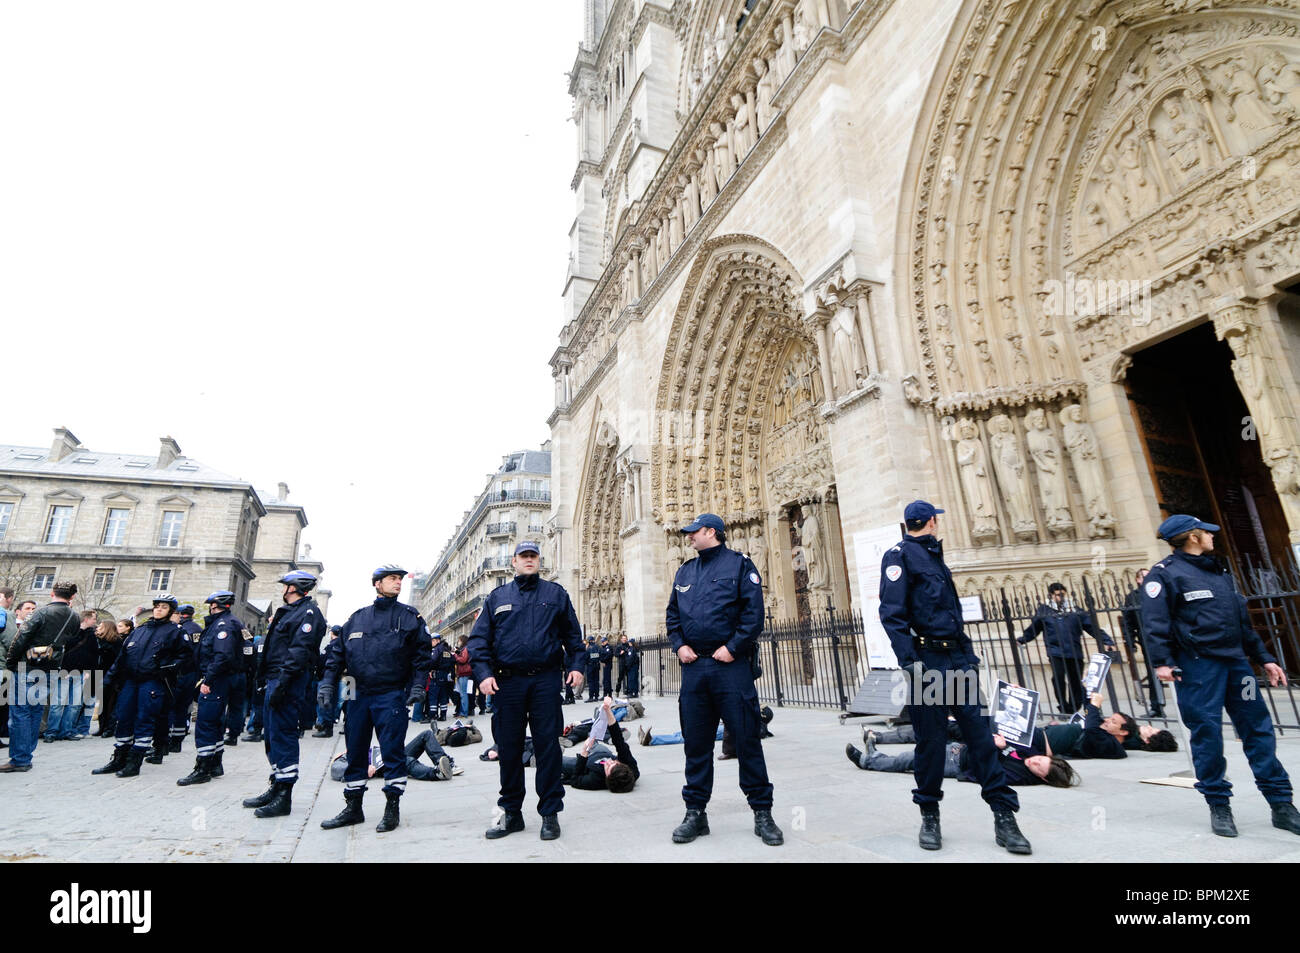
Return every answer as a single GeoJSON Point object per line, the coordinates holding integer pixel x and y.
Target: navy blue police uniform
{"type": "Point", "coordinates": [920, 612]}
{"type": "Point", "coordinates": [237, 705]}
{"type": "Point", "coordinates": [138, 671]}
{"type": "Point", "coordinates": [177, 722]}
{"type": "Point", "coordinates": [606, 667]}
{"type": "Point", "coordinates": [385, 650]}
{"type": "Point", "coordinates": [1062, 630]}
{"type": "Point", "coordinates": [526, 637]}
{"type": "Point", "coordinates": [593, 670]}
{"type": "Point", "coordinates": [633, 686]}
{"type": "Point", "coordinates": [220, 662]}
{"type": "Point", "coordinates": [1194, 619]}
{"type": "Point", "coordinates": [285, 664]}
{"type": "Point", "coordinates": [716, 601]}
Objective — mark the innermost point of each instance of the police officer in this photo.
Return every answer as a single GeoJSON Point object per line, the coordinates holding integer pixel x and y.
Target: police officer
{"type": "Point", "coordinates": [606, 665]}
{"type": "Point", "coordinates": [527, 634]}
{"type": "Point", "coordinates": [221, 663]}
{"type": "Point", "coordinates": [633, 669]}
{"type": "Point", "coordinates": [174, 721]}
{"type": "Point", "coordinates": [1198, 633]}
{"type": "Point", "coordinates": [385, 648]}
{"type": "Point", "coordinates": [152, 646]}
{"type": "Point", "coordinates": [593, 668]}
{"type": "Point", "coordinates": [327, 715]}
{"type": "Point", "coordinates": [286, 662]}
{"type": "Point", "coordinates": [920, 612]}
{"type": "Point", "coordinates": [1062, 627]}
{"type": "Point", "coordinates": [237, 707]}
{"type": "Point", "coordinates": [715, 615]}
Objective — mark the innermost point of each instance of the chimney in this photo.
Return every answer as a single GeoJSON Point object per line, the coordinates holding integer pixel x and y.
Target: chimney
{"type": "Point", "coordinates": [64, 443]}
{"type": "Point", "coordinates": [283, 491]}
{"type": "Point", "coordinates": [168, 452]}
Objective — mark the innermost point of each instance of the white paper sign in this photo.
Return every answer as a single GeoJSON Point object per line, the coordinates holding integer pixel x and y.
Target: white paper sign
{"type": "Point", "coordinates": [972, 610]}
{"type": "Point", "coordinates": [869, 548]}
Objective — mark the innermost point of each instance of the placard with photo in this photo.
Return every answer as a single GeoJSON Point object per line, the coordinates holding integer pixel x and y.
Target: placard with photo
{"type": "Point", "coordinates": [1015, 712]}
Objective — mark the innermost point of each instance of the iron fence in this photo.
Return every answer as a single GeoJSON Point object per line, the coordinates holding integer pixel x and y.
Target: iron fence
{"type": "Point", "coordinates": [819, 662]}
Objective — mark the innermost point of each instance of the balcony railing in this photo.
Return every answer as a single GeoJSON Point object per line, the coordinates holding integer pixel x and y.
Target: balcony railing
{"type": "Point", "coordinates": [496, 562]}
{"type": "Point", "coordinates": [537, 496]}
{"type": "Point", "coordinates": [500, 529]}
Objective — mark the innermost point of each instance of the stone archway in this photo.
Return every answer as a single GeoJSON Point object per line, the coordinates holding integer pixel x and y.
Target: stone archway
{"type": "Point", "coordinates": [600, 517]}
{"type": "Point", "coordinates": [1080, 189]}
{"type": "Point", "coordinates": [738, 426]}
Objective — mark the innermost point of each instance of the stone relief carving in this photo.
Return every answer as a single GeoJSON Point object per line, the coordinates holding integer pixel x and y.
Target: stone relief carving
{"type": "Point", "coordinates": [1049, 464]}
{"type": "Point", "coordinates": [976, 485]}
{"type": "Point", "coordinates": [1081, 442]}
{"type": "Point", "coordinates": [1009, 466]}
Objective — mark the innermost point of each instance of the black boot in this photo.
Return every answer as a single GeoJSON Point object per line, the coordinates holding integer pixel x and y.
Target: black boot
{"type": "Point", "coordinates": [351, 813]}
{"type": "Point", "coordinates": [155, 755]}
{"type": "Point", "coordinates": [550, 827]}
{"type": "Point", "coordinates": [695, 824]}
{"type": "Point", "coordinates": [1007, 833]}
{"type": "Point", "coordinates": [134, 758]}
{"type": "Point", "coordinates": [115, 763]}
{"type": "Point", "coordinates": [1286, 817]}
{"type": "Point", "coordinates": [1221, 820]}
{"type": "Point", "coordinates": [510, 822]}
{"type": "Point", "coordinates": [264, 798]}
{"type": "Point", "coordinates": [252, 736]}
{"type": "Point", "coordinates": [214, 764]}
{"type": "Point", "coordinates": [931, 838]}
{"type": "Point", "coordinates": [392, 815]}
{"type": "Point", "coordinates": [232, 739]}
{"type": "Point", "coordinates": [174, 745]}
{"type": "Point", "coordinates": [766, 828]}
{"type": "Point", "coordinates": [324, 731]}
{"type": "Point", "coordinates": [281, 802]}
{"type": "Point", "coordinates": [200, 775]}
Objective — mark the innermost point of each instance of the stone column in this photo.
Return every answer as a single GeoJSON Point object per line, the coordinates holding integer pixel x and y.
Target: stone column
{"type": "Point", "coordinates": [820, 319]}
{"type": "Point", "coordinates": [865, 328]}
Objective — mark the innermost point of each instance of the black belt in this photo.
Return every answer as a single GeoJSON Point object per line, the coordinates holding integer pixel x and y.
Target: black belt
{"type": "Point", "coordinates": [509, 672]}
{"type": "Point", "coordinates": [937, 644]}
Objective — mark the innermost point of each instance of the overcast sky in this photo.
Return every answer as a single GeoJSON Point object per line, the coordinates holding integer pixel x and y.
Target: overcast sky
{"type": "Point", "coordinates": [316, 242]}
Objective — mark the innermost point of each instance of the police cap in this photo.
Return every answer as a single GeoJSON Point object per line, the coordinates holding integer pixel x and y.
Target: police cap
{"type": "Point", "coordinates": [920, 510]}
{"type": "Point", "coordinates": [706, 519]}
{"type": "Point", "coordinates": [527, 546]}
{"type": "Point", "coordinates": [1182, 523]}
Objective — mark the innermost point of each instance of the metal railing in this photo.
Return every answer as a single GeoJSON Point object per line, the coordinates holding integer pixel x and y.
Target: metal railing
{"type": "Point", "coordinates": [500, 529]}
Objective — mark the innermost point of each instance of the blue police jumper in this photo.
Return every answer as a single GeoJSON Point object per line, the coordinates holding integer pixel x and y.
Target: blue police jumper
{"type": "Point", "coordinates": [138, 669]}
{"type": "Point", "coordinates": [717, 600]}
{"type": "Point", "coordinates": [236, 706]}
{"type": "Point", "coordinates": [385, 649]}
{"type": "Point", "coordinates": [284, 666]}
{"type": "Point", "coordinates": [918, 605]}
{"type": "Point", "coordinates": [593, 671]}
{"type": "Point", "coordinates": [1194, 618]}
{"type": "Point", "coordinates": [221, 662]}
{"type": "Point", "coordinates": [525, 636]}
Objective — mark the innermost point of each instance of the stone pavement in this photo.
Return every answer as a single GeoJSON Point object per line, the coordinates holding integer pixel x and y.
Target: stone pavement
{"type": "Point", "coordinates": [829, 810]}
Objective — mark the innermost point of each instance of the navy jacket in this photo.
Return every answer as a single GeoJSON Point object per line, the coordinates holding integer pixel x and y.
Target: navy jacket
{"type": "Point", "coordinates": [717, 600]}
{"type": "Point", "coordinates": [192, 632]}
{"type": "Point", "coordinates": [527, 623]}
{"type": "Point", "coordinates": [221, 646]}
{"type": "Point", "coordinates": [1063, 631]}
{"type": "Point", "coordinates": [607, 656]}
{"type": "Point", "coordinates": [151, 645]}
{"type": "Point", "coordinates": [1191, 606]}
{"type": "Point", "coordinates": [593, 659]}
{"type": "Point", "coordinates": [384, 646]}
{"type": "Point", "coordinates": [917, 594]}
{"type": "Point", "coordinates": [291, 641]}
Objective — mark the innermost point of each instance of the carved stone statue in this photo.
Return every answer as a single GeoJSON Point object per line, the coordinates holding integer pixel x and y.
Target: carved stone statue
{"type": "Point", "coordinates": [722, 163]}
{"type": "Point", "coordinates": [1186, 141]}
{"type": "Point", "coordinates": [1140, 190]}
{"type": "Point", "coordinates": [1009, 465]}
{"type": "Point", "coordinates": [744, 131]}
{"type": "Point", "coordinates": [814, 555]}
{"type": "Point", "coordinates": [1081, 442]}
{"type": "Point", "coordinates": [975, 481]}
{"type": "Point", "coordinates": [1045, 451]}
{"type": "Point", "coordinates": [1249, 371]}
{"type": "Point", "coordinates": [1246, 107]}
{"type": "Point", "coordinates": [616, 612]}
{"type": "Point", "coordinates": [843, 359]}
{"type": "Point", "coordinates": [758, 550]}
{"type": "Point", "coordinates": [674, 561]}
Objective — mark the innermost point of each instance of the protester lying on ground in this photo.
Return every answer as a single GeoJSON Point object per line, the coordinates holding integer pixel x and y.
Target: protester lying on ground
{"type": "Point", "coordinates": [458, 734]}
{"type": "Point", "coordinates": [529, 756]}
{"type": "Point", "coordinates": [1032, 765]}
{"type": "Point", "coordinates": [424, 743]}
{"type": "Point", "coordinates": [648, 738]}
{"type": "Point", "coordinates": [596, 768]}
{"type": "Point", "coordinates": [579, 731]}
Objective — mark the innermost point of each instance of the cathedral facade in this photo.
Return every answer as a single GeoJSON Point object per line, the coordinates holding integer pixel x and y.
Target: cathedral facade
{"type": "Point", "coordinates": [1032, 261]}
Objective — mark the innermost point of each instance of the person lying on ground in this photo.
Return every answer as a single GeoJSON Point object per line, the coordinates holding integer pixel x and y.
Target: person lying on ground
{"type": "Point", "coordinates": [1032, 765]}
{"type": "Point", "coordinates": [424, 743]}
{"type": "Point", "coordinates": [596, 768]}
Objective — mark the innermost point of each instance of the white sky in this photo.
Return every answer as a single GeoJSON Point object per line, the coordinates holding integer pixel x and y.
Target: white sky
{"type": "Point", "coordinates": [317, 242]}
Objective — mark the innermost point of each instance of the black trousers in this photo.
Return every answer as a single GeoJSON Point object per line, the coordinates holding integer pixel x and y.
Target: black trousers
{"type": "Point", "coordinates": [529, 704]}
{"type": "Point", "coordinates": [1067, 680]}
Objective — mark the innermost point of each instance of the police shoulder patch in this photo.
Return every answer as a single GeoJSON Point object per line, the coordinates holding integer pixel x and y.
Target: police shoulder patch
{"type": "Point", "coordinates": [682, 588]}
{"type": "Point", "coordinates": [222, 635]}
{"type": "Point", "coordinates": [893, 573]}
{"type": "Point", "coordinates": [306, 626]}
{"type": "Point", "coordinates": [502, 608]}
{"type": "Point", "coordinates": [1153, 589]}
{"type": "Point", "coordinates": [753, 577]}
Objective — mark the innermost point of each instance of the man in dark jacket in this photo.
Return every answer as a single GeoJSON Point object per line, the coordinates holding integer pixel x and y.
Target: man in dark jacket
{"type": "Point", "coordinates": [284, 665]}
{"type": "Point", "coordinates": [385, 649]}
{"type": "Point", "coordinates": [325, 717]}
{"type": "Point", "coordinates": [153, 646]}
{"type": "Point", "coordinates": [714, 617]}
{"type": "Point", "coordinates": [174, 721]}
{"type": "Point", "coordinates": [33, 655]}
{"type": "Point", "coordinates": [592, 655]}
{"type": "Point", "coordinates": [1198, 633]}
{"type": "Point", "coordinates": [1063, 627]}
{"type": "Point", "coordinates": [220, 662]}
{"type": "Point", "coordinates": [442, 675]}
{"type": "Point", "coordinates": [921, 614]}
{"type": "Point", "coordinates": [527, 635]}
{"type": "Point", "coordinates": [606, 666]}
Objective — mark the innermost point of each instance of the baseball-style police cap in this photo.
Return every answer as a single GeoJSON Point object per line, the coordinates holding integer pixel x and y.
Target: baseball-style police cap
{"type": "Point", "coordinates": [920, 510]}
{"type": "Point", "coordinates": [527, 546]}
{"type": "Point", "coordinates": [1182, 523]}
{"type": "Point", "coordinates": [706, 519]}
